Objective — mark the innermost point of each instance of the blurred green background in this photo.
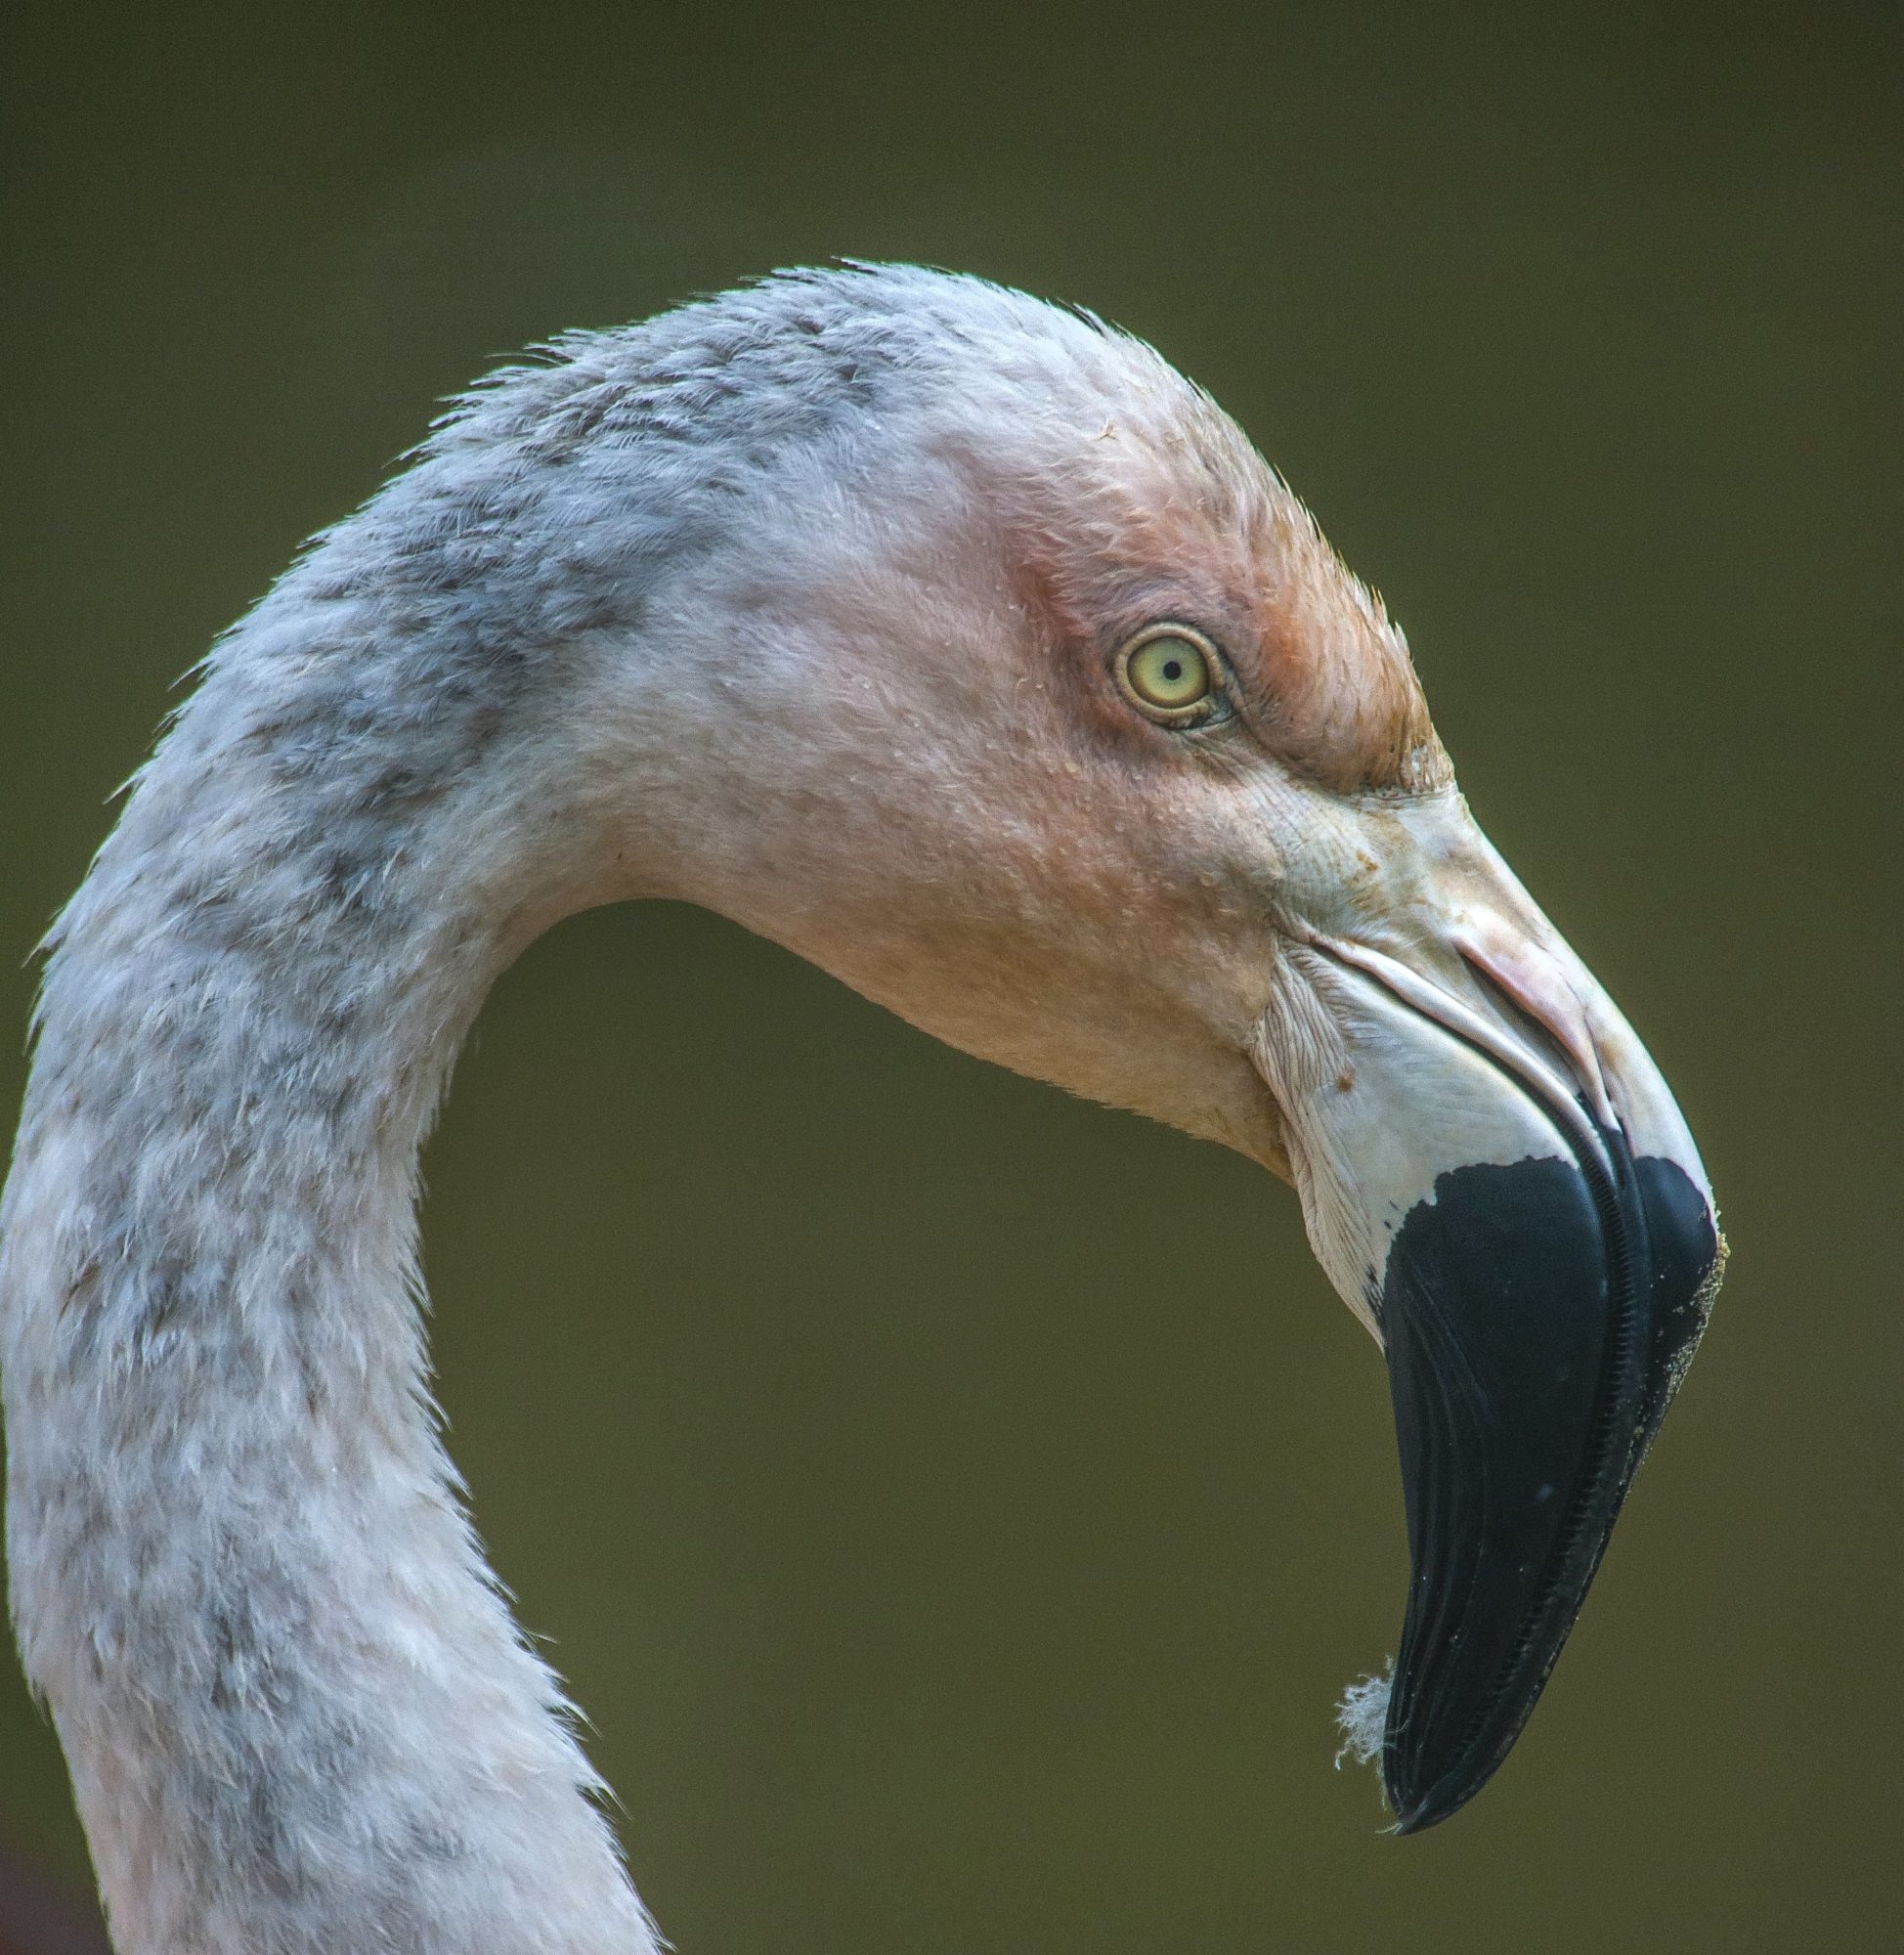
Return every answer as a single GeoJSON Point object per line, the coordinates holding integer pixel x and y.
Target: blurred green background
{"type": "Point", "coordinates": [959, 1507]}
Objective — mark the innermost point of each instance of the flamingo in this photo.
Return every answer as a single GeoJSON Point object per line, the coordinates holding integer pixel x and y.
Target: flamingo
{"type": "Point", "coordinates": [955, 641]}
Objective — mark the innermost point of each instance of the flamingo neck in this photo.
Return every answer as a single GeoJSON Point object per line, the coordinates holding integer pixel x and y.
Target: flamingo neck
{"type": "Point", "coordinates": [298, 1714]}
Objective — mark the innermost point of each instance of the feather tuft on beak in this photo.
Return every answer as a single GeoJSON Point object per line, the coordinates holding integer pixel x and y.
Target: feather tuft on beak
{"type": "Point", "coordinates": [1361, 1715]}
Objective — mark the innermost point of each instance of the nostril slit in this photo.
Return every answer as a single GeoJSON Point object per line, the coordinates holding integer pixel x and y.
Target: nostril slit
{"type": "Point", "coordinates": [1516, 1013]}
{"type": "Point", "coordinates": [1509, 1036]}
{"type": "Point", "coordinates": [1524, 1022]}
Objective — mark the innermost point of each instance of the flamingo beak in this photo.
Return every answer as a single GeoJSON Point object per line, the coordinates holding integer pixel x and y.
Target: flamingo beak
{"type": "Point", "coordinates": [1496, 1178]}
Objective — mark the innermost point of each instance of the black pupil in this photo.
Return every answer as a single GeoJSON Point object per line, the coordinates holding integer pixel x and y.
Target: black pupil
{"type": "Point", "coordinates": [1173, 669]}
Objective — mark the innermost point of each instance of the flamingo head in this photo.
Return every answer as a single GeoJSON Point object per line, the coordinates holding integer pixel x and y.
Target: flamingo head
{"type": "Point", "coordinates": [1030, 702]}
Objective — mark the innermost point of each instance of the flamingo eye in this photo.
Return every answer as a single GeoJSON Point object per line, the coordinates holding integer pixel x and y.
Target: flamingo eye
{"type": "Point", "coordinates": [1168, 671]}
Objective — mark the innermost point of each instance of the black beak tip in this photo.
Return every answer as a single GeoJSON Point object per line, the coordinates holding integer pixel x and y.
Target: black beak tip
{"type": "Point", "coordinates": [1420, 1817]}
{"type": "Point", "coordinates": [1417, 1808]}
{"type": "Point", "coordinates": [1537, 1317]}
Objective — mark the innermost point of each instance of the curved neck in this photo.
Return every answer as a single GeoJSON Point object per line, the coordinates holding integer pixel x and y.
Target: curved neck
{"type": "Point", "coordinates": [297, 1712]}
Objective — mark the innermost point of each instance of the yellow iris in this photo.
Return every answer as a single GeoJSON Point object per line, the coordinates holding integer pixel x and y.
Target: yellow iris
{"type": "Point", "coordinates": [1169, 671]}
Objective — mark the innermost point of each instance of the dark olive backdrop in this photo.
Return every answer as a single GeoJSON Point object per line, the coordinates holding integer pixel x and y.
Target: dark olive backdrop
{"type": "Point", "coordinates": [958, 1506]}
